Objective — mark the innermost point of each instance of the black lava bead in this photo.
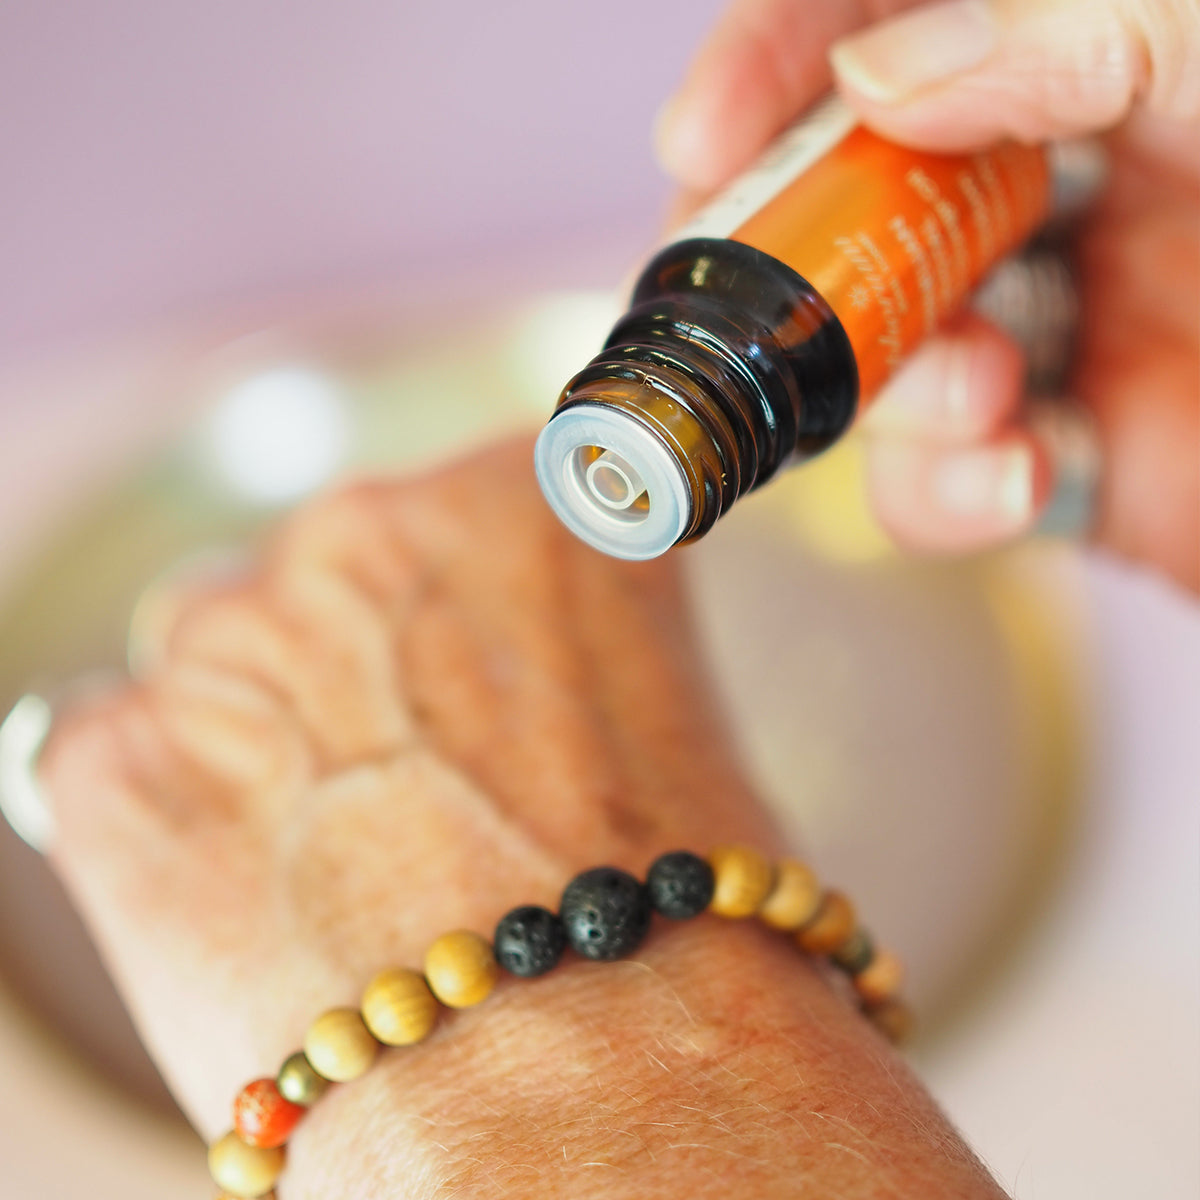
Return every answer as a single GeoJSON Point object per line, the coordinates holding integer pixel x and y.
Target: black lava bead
{"type": "Point", "coordinates": [606, 913]}
{"type": "Point", "coordinates": [681, 885]}
{"type": "Point", "coordinates": [529, 941]}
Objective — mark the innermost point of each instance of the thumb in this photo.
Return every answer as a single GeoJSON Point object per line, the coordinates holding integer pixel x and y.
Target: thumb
{"type": "Point", "coordinates": [963, 73]}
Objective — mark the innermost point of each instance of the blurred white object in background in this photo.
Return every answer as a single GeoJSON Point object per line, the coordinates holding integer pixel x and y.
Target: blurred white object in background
{"type": "Point", "coordinates": [22, 734]}
{"type": "Point", "coordinates": [280, 434]}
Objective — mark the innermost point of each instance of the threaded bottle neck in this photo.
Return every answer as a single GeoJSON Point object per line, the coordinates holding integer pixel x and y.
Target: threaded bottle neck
{"type": "Point", "coordinates": [726, 366]}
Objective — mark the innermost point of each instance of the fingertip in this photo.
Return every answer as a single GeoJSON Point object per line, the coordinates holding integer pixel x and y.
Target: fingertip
{"type": "Point", "coordinates": [714, 125]}
{"type": "Point", "coordinates": [961, 74]}
{"type": "Point", "coordinates": [888, 63]}
{"type": "Point", "coordinates": [763, 64]}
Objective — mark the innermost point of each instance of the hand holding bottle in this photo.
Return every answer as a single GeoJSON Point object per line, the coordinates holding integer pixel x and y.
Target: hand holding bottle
{"type": "Point", "coordinates": [951, 465]}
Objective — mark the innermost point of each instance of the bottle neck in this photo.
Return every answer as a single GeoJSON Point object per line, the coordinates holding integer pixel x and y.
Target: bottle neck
{"type": "Point", "coordinates": [731, 362]}
{"type": "Point", "coordinates": [784, 343]}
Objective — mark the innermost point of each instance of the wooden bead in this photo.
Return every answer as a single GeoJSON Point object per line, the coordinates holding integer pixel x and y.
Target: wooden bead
{"type": "Point", "coordinates": [742, 881]}
{"type": "Point", "coordinates": [398, 1007]}
{"type": "Point", "coordinates": [893, 1018]}
{"type": "Point", "coordinates": [794, 899]}
{"type": "Point", "coordinates": [262, 1117]}
{"type": "Point", "coordinates": [339, 1045]}
{"type": "Point", "coordinates": [244, 1171]}
{"type": "Point", "coordinates": [298, 1082]}
{"type": "Point", "coordinates": [833, 923]}
{"type": "Point", "coordinates": [881, 979]}
{"type": "Point", "coordinates": [460, 968]}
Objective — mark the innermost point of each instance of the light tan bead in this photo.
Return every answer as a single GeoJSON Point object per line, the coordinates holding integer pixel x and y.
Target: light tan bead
{"type": "Point", "coordinates": [882, 979]}
{"type": "Point", "coordinates": [834, 922]}
{"type": "Point", "coordinates": [339, 1045]}
{"type": "Point", "coordinates": [398, 1007]}
{"type": "Point", "coordinates": [742, 880]}
{"type": "Point", "coordinates": [244, 1171]}
{"type": "Point", "coordinates": [460, 968]}
{"type": "Point", "coordinates": [794, 899]}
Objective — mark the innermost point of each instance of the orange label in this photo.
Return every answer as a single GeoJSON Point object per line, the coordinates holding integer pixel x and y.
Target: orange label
{"type": "Point", "coordinates": [895, 239]}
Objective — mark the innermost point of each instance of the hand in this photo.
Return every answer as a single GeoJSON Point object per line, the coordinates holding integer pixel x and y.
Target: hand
{"type": "Point", "coordinates": [432, 703]}
{"type": "Point", "coordinates": [951, 467]}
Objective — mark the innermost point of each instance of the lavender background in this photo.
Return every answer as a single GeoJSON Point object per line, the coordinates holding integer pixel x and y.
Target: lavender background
{"type": "Point", "coordinates": [162, 159]}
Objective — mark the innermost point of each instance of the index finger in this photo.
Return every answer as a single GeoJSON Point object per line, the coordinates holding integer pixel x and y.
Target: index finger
{"type": "Point", "coordinates": [764, 62]}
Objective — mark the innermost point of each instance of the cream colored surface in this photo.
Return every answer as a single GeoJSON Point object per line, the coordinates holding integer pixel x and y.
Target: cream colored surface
{"type": "Point", "coordinates": [919, 728]}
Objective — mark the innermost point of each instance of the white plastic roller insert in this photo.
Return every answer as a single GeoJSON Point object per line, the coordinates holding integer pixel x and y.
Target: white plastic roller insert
{"type": "Point", "coordinates": [612, 482]}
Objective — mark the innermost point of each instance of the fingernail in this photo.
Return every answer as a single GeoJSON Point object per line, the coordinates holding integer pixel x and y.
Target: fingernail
{"type": "Point", "coordinates": [989, 482]}
{"type": "Point", "coordinates": [892, 60]}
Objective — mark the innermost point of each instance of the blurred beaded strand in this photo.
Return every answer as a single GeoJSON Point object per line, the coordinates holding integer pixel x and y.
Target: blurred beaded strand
{"type": "Point", "coordinates": [604, 914]}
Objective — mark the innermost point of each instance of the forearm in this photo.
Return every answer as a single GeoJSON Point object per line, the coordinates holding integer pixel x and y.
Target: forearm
{"type": "Point", "coordinates": [717, 1062]}
{"type": "Point", "coordinates": [428, 708]}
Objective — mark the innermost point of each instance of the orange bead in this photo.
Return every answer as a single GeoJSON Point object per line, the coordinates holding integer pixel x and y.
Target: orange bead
{"type": "Point", "coordinates": [834, 922]}
{"type": "Point", "coordinates": [881, 979]}
{"type": "Point", "coordinates": [262, 1117]}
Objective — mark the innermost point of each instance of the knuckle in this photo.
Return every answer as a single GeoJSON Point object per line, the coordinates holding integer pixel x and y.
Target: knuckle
{"type": "Point", "coordinates": [345, 534]}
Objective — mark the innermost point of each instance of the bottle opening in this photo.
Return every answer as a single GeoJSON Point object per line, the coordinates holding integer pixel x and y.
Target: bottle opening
{"type": "Point", "coordinates": [612, 481]}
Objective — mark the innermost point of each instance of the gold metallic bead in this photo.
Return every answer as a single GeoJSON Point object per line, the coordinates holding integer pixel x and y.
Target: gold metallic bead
{"type": "Point", "coordinates": [244, 1171]}
{"type": "Point", "coordinates": [298, 1082]}
{"type": "Point", "coordinates": [855, 953]}
{"type": "Point", "coordinates": [398, 1007]}
{"type": "Point", "coordinates": [460, 968]}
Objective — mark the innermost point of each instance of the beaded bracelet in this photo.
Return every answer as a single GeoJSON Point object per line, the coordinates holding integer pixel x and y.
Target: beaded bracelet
{"type": "Point", "coordinates": [604, 915]}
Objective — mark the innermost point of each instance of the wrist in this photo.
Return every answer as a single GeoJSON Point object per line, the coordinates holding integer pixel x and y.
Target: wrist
{"type": "Point", "coordinates": [718, 1061]}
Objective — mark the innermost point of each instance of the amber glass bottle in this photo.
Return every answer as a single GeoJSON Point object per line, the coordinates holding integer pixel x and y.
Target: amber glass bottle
{"type": "Point", "coordinates": [753, 340]}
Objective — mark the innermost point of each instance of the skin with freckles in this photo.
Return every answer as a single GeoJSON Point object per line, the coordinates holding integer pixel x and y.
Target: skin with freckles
{"type": "Point", "coordinates": [954, 468]}
{"type": "Point", "coordinates": [429, 704]}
